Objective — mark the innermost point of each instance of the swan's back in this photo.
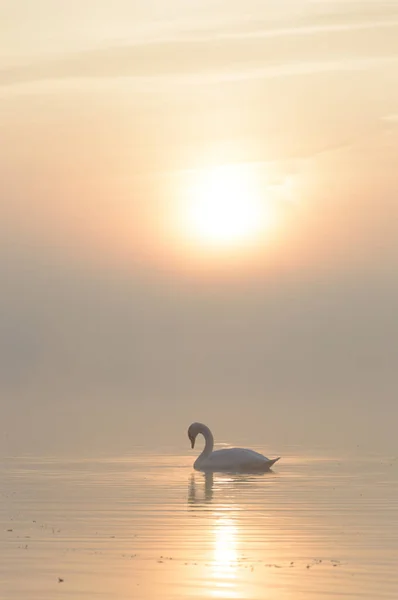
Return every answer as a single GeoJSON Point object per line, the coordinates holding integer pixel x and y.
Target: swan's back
{"type": "Point", "coordinates": [235, 459]}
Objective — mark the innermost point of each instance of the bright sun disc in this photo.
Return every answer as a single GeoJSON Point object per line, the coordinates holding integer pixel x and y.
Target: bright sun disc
{"type": "Point", "coordinates": [224, 207]}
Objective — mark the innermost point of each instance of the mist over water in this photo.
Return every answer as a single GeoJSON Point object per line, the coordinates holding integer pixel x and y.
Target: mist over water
{"type": "Point", "coordinates": [198, 222]}
{"type": "Point", "coordinates": [117, 328]}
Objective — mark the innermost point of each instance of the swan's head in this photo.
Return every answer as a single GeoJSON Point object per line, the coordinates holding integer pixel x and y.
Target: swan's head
{"type": "Point", "coordinates": [193, 431]}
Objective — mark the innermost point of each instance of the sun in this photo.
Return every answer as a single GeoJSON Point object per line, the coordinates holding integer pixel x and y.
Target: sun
{"type": "Point", "coordinates": [224, 208]}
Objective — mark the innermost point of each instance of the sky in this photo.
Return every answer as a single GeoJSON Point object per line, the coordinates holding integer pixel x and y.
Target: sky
{"type": "Point", "coordinates": [121, 321]}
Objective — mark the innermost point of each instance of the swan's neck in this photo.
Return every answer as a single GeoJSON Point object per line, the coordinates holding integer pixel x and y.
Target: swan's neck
{"type": "Point", "coordinates": [209, 441]}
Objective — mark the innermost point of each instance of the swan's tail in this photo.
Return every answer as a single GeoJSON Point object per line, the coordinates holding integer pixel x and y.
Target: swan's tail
{"type": "Point", "coordinates": [270, 463]}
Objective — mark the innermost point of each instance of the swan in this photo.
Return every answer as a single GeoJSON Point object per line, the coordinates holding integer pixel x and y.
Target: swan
{"type": "Point", "coordinates": [228, 459]}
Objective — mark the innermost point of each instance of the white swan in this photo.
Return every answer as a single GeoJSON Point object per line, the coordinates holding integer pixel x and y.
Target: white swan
{"type": "Point", "coordinates": [229, 459]}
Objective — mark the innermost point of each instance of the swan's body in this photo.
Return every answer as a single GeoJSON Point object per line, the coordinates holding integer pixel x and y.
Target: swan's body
{"type": "Point", "coordinates": [228, 459]}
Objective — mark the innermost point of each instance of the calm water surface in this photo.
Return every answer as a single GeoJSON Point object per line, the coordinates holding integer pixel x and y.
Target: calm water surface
{"type": "Point", "coordinates": [147, 526]}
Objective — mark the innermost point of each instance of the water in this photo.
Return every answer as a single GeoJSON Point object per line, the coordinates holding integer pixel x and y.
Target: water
{"type": "Point", "coordinates": [146, 526]}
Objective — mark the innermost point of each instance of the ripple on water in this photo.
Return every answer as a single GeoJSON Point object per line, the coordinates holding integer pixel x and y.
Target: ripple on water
{"type": "Point", "coordinates": [146, 526]}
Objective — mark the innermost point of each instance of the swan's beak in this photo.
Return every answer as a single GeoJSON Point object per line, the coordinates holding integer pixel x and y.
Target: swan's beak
{"type": "Point", "coordinates": [192, 442]}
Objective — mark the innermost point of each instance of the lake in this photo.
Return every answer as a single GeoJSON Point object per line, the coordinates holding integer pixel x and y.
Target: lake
{"type": "Point", "coordinates": [147, 526]}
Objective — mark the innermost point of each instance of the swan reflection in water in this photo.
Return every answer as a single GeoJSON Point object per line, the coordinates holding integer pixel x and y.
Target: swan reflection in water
{"type": "Point", "coordinates": [195, 496]}
{"type": "Point", "coordinates": [228, 481]}
{"type": "Point", "coordinates": [206, 494]}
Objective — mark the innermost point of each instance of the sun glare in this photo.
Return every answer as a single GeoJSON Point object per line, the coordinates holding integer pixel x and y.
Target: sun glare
{"type": "Point", "coordinates": [225, 560]}
{"type": "Point", "coordinates": [224, 208]}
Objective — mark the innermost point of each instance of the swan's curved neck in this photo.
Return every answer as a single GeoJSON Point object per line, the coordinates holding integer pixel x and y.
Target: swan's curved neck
{"type": "Point", "coordinates": [209, 441]}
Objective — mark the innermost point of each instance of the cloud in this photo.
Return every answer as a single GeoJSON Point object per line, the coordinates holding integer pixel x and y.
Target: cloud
{"type": "Point", "coordinates": [225, 55]}
{"type": "Point", "coordinates": [393, 118]}
{"type": "Point", "coordinates": [293, 31]}
{"type": "Point", "coordinates": [97, 70]}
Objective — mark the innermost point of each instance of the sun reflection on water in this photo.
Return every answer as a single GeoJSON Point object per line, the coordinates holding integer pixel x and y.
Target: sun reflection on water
{"type": "Point", "coordinates": [225, 559]}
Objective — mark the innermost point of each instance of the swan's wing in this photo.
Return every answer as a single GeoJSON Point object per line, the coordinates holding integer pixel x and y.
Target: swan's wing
{"type": "Point", "coordinates": [238, 458]}
{"type": "Point", "coordinates": [237, 454]}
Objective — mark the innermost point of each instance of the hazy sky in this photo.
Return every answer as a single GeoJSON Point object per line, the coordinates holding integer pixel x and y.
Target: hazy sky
{"type": "Point", "coordinates": [115, 329]}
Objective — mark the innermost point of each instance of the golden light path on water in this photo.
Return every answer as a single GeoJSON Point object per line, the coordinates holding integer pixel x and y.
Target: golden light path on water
{"type": "Point", "coordinates": [225, 559]}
